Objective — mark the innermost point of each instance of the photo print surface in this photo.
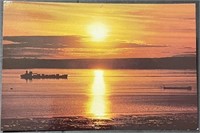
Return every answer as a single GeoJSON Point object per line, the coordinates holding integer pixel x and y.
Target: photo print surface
{"type": "Point", "coordinates": [94, 66]}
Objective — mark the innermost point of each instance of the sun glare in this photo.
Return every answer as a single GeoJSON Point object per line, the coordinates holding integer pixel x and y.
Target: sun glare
{"type": "Point", "coordinates": [98, 31]}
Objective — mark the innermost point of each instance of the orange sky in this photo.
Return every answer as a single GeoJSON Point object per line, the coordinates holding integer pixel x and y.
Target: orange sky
{"type": "Point", "coordinates": [133, 30]}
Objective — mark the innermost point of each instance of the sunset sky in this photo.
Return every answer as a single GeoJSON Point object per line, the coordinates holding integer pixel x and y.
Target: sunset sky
{"type": "Point", "coordinates": [69, 31]}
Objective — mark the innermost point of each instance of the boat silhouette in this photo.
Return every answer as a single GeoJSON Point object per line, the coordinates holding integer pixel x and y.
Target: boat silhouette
{"type": "Point", "coordinates": [178, 87]}
{"type": "Point", "coordinates": [30, 75]}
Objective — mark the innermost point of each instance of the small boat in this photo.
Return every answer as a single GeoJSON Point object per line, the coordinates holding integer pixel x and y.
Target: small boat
{"type": "Point", "coordinates": [30, 75]}
{"type": "Point", "coordinates": [178, 87]}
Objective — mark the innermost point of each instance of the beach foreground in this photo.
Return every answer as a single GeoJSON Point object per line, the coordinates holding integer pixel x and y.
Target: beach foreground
{"type": "Point", "coordinates": [182, 121]}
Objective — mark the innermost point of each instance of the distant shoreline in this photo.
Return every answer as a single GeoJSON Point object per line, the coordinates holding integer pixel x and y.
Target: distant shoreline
{"type": "Point", "coordinates": [121, 63]}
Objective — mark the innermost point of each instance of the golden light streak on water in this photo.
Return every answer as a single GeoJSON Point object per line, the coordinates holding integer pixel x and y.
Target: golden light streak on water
{"type": "Point", "coordinates": [98, 104]}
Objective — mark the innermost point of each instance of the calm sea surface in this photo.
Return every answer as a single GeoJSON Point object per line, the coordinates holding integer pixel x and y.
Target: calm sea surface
{"type": "Point", "coordinates": [98, 93]}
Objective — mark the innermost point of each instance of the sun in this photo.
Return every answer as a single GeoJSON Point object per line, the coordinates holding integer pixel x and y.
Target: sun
{"type": "Point", "coordinates": [98, 31]}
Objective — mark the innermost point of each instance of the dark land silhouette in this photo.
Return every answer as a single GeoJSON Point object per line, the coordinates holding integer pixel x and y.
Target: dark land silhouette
{"type": "Point", "coordinates": [123, 63]}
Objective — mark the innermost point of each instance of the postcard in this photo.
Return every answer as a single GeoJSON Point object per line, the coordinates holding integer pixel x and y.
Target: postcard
{"type": "Point", "coordinates": [98, 66]}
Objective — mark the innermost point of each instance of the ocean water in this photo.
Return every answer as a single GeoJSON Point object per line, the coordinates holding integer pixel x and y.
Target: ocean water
{"type": "Point", "coordinates": [97, 93]}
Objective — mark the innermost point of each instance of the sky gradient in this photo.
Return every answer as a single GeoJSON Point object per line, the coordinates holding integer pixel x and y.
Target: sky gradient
{"type": "Point", "coordinates": [62, 30]}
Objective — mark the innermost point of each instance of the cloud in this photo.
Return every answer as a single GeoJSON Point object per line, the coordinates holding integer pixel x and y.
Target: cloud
{"type": "Point", "coordinates": [29, 52]}
{"type": "Point", "coordinates": [64, 47]}
{"type": "Point", "coordinates": [64, 42]}
{"type": "Point", "coordinates": [136, 45]}
{"type": "Point", "coordinates": [185, 55]}
{"type": "Point", "coordinates": [37, 46]}
{"type": "Point", "coordinates": [43, 41]}
{"type": "Point", "coordinates": [190, 52]}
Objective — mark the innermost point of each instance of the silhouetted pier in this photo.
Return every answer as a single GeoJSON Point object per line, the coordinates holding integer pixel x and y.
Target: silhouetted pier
{"type": "Point", "coordinates": [30, 75]}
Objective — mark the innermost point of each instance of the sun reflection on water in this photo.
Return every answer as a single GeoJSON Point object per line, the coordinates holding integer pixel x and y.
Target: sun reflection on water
{"type": "Point", "coordinates": [98, 104]}
{"type": "Point", "coordinates": [98, 87]}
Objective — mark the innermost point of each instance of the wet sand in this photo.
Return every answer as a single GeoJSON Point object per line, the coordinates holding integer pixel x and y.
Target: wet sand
{"type": "Point", "coordinates": [182, 121]}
